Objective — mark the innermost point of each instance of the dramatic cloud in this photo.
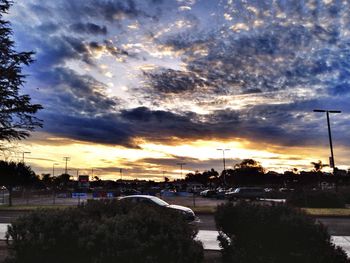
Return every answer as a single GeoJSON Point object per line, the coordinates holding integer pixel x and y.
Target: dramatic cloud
{"type": "Point", "coordinates": [89, 28]}
{"type": "Point", "coordinates": [112, 72]}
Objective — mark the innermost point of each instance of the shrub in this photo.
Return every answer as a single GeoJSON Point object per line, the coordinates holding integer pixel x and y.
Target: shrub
{"type": "Point", "coordinates": [104, 232]}
{"type": "Point", "coordinates": [344, 193]}
{"type": "Point", "coordinates": [316, 199]}
{"type": "Point", "coordinates": [273, 234]}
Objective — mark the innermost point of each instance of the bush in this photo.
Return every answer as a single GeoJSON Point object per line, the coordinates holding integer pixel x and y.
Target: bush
{"type": "Point", "coordinates": [344, 193]}
{"type": "Point", "coordinates": [104, 231]}
{"type": "Point", "coordinates": [316, 199]}
{"type": "Point", "coordinates": [273, 234]}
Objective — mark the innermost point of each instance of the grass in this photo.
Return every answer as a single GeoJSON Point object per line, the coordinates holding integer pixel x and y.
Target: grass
{"type": "Point", "coordinates": [331, 212]}
{"type": "Point", "coordinates": [203, 209]}
{"type": "Point", "coordinates": [31, 207]}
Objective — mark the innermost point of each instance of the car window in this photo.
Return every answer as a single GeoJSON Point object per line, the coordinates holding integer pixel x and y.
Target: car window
{"type": "Point", "coordinates": [132, 200]}
{"type": "Point", "coordinates": [159, 201]}
{"type": "Point", "coordinates": [146, 201]}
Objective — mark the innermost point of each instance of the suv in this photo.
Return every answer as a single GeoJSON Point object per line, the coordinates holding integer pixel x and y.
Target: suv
{"type": "Point", "coordinates": [252, 193]}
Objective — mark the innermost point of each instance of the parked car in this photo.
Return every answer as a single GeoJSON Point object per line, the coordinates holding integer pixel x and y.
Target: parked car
{"type": "Point", "coordinates": [130, 192]}
{"type": "Point", "coordinates": [186, 212]}
{"type": "Point", "coordinates": [220, 193]}
{"type": "Point", "coordinates": [208, 193]}
{"type": "Point", "coordinates": [251, 193]}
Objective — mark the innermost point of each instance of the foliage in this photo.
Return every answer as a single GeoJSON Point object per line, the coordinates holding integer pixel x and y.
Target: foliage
{"type": "Point", "coordinates": [16, 174]}
{"type": "Point", "coordinates": [104, 231]}
{"type": "Point", "coordinates": [273, 234]}
{"type": "Point", "coordinates": [316, 199]}
{"type": "Point", "coordinates": [204, 178]}
{"type": "Point", "coordinates": [16, 110]}
{"type": "Point", "coordinates": [318, 166]}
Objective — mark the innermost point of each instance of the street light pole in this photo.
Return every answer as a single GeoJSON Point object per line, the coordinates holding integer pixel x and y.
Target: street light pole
{"type": "Point", "coordinates": [332, 162]}
{"type": "Point", "coordinates": [224, 162]}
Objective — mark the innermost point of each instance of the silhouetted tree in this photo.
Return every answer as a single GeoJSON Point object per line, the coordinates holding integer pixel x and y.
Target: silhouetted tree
{"type": "Point", "coordinates": [318, 166]}
{"type": "Point", "coordinates": [16, 110]}
{"type": "Point", "coordinates": [203, 178]}
{"type": "Point", "coordinates": [47, 180]}
{"type": "Point", "coordinates": [15, 174]}
{"type": "Point", "coordinates": [249, 167]}
{"type": "Point", "coordinates": [63, 180]}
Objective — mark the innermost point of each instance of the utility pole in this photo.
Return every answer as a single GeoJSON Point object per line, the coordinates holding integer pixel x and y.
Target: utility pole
{"type": "Point", "coordinates": [224, 162]}
{"type": "Point", "coordinates": [181, 165]}
{"type": "Point", "coordinates": [331, 159]}
{"type": "Point", "coordinates": [66, 159]}
{"type": "Point", "coordinates": [53, 169]}
{"type": "Point", "coordinates": [53, 186]}
{"type": "Point", "coordinates": [121, 174]}
{"type": "Point", "coordinates": [23, 155]}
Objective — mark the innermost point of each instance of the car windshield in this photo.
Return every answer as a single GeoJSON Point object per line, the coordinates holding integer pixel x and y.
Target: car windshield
{"type": "Point", "coordinates": [159, 201]}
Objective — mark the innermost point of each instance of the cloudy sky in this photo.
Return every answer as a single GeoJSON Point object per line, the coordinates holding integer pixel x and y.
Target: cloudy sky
{"type": "Point", "coordinates": [145, 84]}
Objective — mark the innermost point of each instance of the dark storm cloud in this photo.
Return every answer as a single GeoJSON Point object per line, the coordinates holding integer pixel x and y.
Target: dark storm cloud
{"type": "Point", "coordinates": [103, 129]}
{"type": "Point", "coordinates": [88, 28]}
{"type": "Point", "coordinates": [161, 125]}
{"type": "Point", "coordinates": [57, 50]}
{"type": "Point", "coordinates": [170, 161]}
{"type": "Point", "coordinates": [76, 94]}
{"type": "Point", "coordinates": [77, 108]}
{"type": "Point", "coordinates": [111, 9]}
{"type": "Point", "coordinates": [265, 60]}
{"type": "Point", "coordinates": [108, 10]}
{"type": "Point", "coordinates": [173, 81]}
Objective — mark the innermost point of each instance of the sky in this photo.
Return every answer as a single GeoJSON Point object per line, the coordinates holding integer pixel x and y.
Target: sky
{"type": "Point", "coordinates": [143, 85]}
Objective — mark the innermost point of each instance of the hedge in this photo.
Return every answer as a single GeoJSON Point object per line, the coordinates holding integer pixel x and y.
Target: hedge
{"type": "Point", "coordinates": [273, 234]}
{"type": "Point", "coordinates": [103, 231]}
{"type": "Point", "coordinates": [316, 199]}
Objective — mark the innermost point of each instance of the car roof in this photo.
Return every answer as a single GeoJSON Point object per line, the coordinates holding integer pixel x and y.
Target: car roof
{"type": "Point", "coordinates": [138, 196]}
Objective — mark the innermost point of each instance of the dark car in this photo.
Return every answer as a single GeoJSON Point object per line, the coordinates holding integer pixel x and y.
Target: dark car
{"type": "Point", "coordinates": [208, 193]}
{"type": "Point", "coordinates": [251, 193]}
{"type": "Point", "coordinates": [186, 212]}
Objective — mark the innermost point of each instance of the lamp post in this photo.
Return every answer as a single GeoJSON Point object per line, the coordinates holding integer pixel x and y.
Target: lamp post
{"type": "Point", "coordinates": [331, 161]}
{"type": "Point", "coordinates": [224, 162]}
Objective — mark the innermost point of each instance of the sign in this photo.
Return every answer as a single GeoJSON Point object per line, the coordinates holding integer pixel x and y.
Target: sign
{"type": "Point", "coordinates": [331, 162]}
{"type": "Point", "coordinates": [80, 195]}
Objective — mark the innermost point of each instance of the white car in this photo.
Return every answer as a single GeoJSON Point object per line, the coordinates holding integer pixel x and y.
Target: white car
{"type": "Point", "coordinates": [186, 212]}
